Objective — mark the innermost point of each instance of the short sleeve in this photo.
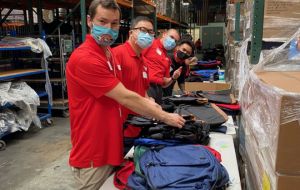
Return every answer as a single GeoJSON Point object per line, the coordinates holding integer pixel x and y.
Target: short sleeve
{"type": "Point", "coordinates": [94, 75]}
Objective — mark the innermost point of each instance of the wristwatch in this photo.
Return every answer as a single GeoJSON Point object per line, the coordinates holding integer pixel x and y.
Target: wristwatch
{"type": "Point", "coordinates": [173, 79]}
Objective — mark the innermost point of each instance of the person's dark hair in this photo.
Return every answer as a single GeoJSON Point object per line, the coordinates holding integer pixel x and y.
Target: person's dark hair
{"type": "Point", "coordinates": [189, 43]}
{"type": "Point", "coordinates": [107, 4]}
{"type": "Point", "coordinates": [138, 19]}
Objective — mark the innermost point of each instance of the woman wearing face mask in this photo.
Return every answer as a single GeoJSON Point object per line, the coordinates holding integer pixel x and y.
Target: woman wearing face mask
{"type": "Point", "coordinates": [181, 57]}
{"type": "Point", "coordinates": [134, 70]}
{"type": "Point", "coordinates": [159, 63]}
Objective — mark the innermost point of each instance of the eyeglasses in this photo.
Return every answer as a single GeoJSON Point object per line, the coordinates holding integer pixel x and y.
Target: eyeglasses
{"type": "Point", "coordinates": [143, 29]}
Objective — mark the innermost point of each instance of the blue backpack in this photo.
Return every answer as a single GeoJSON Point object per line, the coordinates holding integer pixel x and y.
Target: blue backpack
{"type": "Point", "coordinates": [183, 167]}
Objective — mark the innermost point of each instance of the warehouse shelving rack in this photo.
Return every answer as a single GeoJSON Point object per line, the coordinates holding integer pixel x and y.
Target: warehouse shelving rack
{"type": "Point", "coordinates": [257, 28]}
{"type": "Point", "coordinates": [19, 73]}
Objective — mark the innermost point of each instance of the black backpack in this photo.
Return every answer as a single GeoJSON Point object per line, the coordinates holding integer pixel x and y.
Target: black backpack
{"type": "Point", "coordinates": [194, 132]}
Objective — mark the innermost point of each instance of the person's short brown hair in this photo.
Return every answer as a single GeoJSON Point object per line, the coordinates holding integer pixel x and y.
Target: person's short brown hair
{"type": "Point", "coordinates": [107, 4]}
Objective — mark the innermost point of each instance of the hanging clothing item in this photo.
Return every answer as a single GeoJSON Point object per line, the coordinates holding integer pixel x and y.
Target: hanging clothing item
{"type": "Point", "coordinates": [197, 169]}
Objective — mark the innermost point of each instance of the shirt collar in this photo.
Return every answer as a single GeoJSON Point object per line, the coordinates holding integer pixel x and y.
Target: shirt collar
{"type": "Point", "coordinates": [93, 44]}
{"type": "Point", "coordinates": [160, 45]}
{"type": "Point", "coordinates": [130, 49]}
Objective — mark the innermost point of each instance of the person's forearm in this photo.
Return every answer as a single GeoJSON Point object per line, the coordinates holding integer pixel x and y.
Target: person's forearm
{"type": "Point", "coordinates": [137, 104]}
{"type": "Point", "coordinates": [167, 82]}
{"type": "Point", "coordinates": [182, 87]}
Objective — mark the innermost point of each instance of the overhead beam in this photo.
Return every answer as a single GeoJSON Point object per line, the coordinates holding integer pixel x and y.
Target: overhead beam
{"type": "Point", "coordinates": [5, 17]}
{"type": "Point", "coordinates": [66, 18]}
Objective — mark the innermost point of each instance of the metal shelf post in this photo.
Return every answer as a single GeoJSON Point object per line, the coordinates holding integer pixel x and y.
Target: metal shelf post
{"type": "Point", "coordinates": [257, 30]}
{"type": "Point", "coordinates": [237, 21]}
{"type": "Point", "coordinates": [83, 18]}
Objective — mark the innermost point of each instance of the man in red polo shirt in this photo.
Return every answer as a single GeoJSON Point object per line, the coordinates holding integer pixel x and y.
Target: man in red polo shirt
{"type": "Point", "coordinates": [95, 98]}
{"type": "Point", "coordinates": [134, 70]}
{"type": "Point", "coordinates": [159, 64]}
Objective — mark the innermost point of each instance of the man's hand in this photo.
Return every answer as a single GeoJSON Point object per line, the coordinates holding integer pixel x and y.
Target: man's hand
{"type": "Point", "coordinates": [191, 61]}
{"type": "Point", "coordinates": [186, 92]}
{"type": "Point", "coordinates": [173, 119]}
{"type": "Point", "coordinates": [177, 73]}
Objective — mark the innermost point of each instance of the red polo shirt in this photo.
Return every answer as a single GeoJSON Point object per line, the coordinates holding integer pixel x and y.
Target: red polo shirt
{"type": "Point", "coordinates": [134, 78]}
{"type": "Point", "coordinates": [158, 62]}
{"type": "Point", "coordinates": [96, 127]}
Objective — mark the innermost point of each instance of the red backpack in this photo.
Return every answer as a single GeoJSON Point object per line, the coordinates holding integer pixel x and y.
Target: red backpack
{"type": "Point", "coordinates": [121, 176]}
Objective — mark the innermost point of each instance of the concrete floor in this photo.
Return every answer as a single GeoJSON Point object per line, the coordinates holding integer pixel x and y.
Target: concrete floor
{"type": "Point", "coordinates": [38, 159]}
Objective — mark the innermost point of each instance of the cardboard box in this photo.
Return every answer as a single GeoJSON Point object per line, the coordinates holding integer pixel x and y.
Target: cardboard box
{"type": "Point", "coordinates": [262, 174]}
{"type": "Point", "coordinates": [288, 182]}
{"type": "Point", "coordinates": [282, 18]}
{"type": "Point", "coordinates": [273, 116]}
{"type": "Point", "coordinates": [194, 86]}
{"type": "Point", "coordinates": [288, 147]}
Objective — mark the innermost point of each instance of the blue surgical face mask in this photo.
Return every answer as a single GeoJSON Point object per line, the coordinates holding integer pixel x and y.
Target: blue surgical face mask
{"type": "Point", "coordinates": [144, 40]}
{"type": "Point", "coordinates": [104, 36]}
{"type": "Point", "coordinates": [169, 43]}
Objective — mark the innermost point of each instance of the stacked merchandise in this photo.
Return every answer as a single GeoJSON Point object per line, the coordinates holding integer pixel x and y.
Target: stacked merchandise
{"type": "Point", "coordinates": [206, 70]}
{"type": "Point", "coordinates": [232, 53]}
{"type": "Point", "coordinates": [270, 101]}
{"type": "Point", "coordinates": [161, 7]}
{"type": "Point", "coordinates": [184, 13]}
{"type": "Point", "coordinates": [281, 20]}
{"type": "Point", "coordinates": [169, 8]}
{"type": "Point", "coordinates": [162, 149]}
{"type": "Point", "coordinates": [176, 11]}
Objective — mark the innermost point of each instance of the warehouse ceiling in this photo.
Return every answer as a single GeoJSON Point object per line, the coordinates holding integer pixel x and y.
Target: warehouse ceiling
{"type": "Point", "coordinates": [46, 4]}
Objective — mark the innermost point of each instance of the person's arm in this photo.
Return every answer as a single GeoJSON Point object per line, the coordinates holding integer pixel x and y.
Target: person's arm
{"type": "Point", "coordinates": [143, 106]}
{"type": "Point", "coordinates": [182, 87]}
{"type": "Point", "coordinates": [168, 81]}
{"type": "Point", "coordinates": [154, 69]}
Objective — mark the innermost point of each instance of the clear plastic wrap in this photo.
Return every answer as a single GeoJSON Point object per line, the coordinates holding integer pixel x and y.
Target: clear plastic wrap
{"type": "Point", "coordinates": [279, 28]}
{"type": "Point", "coordinates": [231, 25]}
{"type": "Point", "coordinates": [269, 96]}
{"type": "Point", "coordinates": [8, 123]}
{"type": "Point", "coordinates": [261, 109]}
{"type": "Point", "coordinates": [259, 166]}
{"type": "Point", "coordinates": [244, 66]}
{"type": "Point", "coordinates": [278, 59]}
{"type": "Point", "coordinates": [281, 19]}
{"type": "Point", "coordinates": [37, 46]}
{"type": "Point", "coordinates": [24, 97]}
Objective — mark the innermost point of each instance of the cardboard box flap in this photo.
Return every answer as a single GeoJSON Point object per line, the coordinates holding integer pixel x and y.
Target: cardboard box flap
{"type": "Point", "coordinates": [287, 81]}
{"type": "Point", "coordinates": [194, 86]}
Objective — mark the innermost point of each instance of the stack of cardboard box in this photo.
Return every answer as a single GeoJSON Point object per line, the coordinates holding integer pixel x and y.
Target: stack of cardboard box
{"type": "Point", "coordinates": [271, 113]}
{"type": "Point", "coordinates": [281, 21]}
{"type": "Point", "coordinates": [232, 53]}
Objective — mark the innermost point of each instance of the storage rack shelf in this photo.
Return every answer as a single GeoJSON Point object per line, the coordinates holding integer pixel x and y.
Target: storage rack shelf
{"type": "Point", "coordinates": [14, 48]}
{"type": "Point", "coordinates": [125, 3]}
{"type": "Point", "coordinates": [19, 73]}
{"type": "Point", "coordinates": [5, 75]}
